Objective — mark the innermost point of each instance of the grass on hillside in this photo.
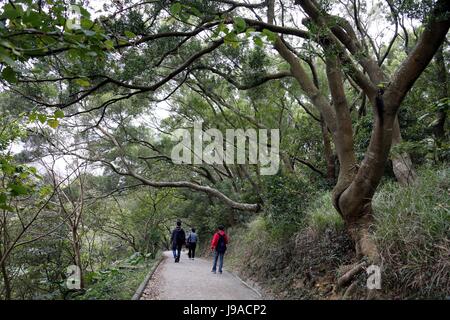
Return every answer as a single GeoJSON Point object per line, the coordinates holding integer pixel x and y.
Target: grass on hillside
{"type": "Point", "coordinates": [412, 229]}
{"type": "Point", "coordinates": [413, 234]}
{"type": "Point", "coordinates": [119, 282]}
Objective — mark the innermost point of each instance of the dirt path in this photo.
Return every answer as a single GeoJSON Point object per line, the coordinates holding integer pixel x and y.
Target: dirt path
{"type": "Point", "coordinates": [193, 280]}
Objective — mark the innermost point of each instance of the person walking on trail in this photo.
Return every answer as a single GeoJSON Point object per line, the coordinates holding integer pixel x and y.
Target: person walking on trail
{"type": "Point", "coordinates": [178, 238]}
{"type": "Point", "coordinates": [219, 246]}
{"type": "Point", "coordinates": [192, 243]}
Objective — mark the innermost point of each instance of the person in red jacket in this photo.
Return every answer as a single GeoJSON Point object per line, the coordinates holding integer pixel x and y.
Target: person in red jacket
{"type": "Point", "coordinates": [219, 246]}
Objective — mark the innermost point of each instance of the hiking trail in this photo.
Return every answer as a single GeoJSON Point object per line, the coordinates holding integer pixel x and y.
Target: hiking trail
{"type": "Point", "coordinates": [193, 280]}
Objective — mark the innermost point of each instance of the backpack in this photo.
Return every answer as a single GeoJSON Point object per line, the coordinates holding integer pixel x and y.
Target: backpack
{"type": "Point", "coordinates": [188, 241]}
{"type": "Point", "coordinates": [221, 245]}
{"type": "Point", "coordinates": [192, 238]}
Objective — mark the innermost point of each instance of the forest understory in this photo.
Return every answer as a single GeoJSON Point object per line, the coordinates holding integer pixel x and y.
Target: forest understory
{"type": "Point", "coordinates": [307, 264]}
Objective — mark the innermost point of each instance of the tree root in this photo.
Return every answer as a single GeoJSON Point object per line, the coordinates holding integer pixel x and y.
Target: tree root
{"type": "Point", "coordinates": [350, 291]}
{"type": "Point", "coordinates": [359, 227]}
{"type": "Point", "coordinates": [347, 282]}
{"type": "Point", "coordinates": [354, 270]}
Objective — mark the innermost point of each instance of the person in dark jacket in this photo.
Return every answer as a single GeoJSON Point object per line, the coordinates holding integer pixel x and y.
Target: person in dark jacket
{"type": "Point", "coordinates": [219, 246]}
{"type": "Point", "coordinates": [178, 238]}
{"type": "Point", "coordinates": [192, 243]}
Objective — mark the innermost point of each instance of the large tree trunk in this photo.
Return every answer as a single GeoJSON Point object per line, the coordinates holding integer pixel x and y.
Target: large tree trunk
{"type": "Point", "coordinates": [401, 162]}
{"type": "Point", "coordinates": [328, 153]}
{"type": "Point", "coordinates": [355, 208]}
{"type": "Point", "coordinates": [355, 201]}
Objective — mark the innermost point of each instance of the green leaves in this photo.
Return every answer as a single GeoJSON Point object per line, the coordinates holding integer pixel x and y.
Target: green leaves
{"type": "Point", "coordinates": [175, 9]}
{"type": "Point", "coordinates": [45, 191]}
{"type": "Point", "coordinates": [27, 31]}
{"type": "Point", "coordinates": [6, 167]}
{"type": "Point", "coordinates": [9, 75]}
{"type": "Point", "coordinates": [51, 120]}
{"type": "Point", "coordinates": [18, 180]}
{"type": "Point", "coordinates": [89, 33]}
{"type": "Point", "coordinates": [258, 41]}
{"type": "Point", "coordinates": [53, 123]}
{"type": "Point", "coordinates": [185, 12]}
{"type": "Point", "coordinates": [129, 34]}
{"type": "Point", "coordinates": [12, 11]}
{"type": "Point", "coordinates": [3, 198]}
{"type": "Point", "coordinates": [59, 113]}
{"type": "Point", "coordinates": [18, 189]}
{"type": "Point", "coordinates": [83, 82]}
{"type": "Point", "coordinates": [32, 117]}
{"type": "Point", "coordinates": [239, 24]}
{"type": "Point", "coordinates": [249, 32]}
{"type": "Point", "coordinates": [33, 19]}
{"type": "Point", "coordinates": [109, 44]}
{"type": "Point", "coordinates": [5, 57]}
{"type": "Point", "coordinates": [3, 202]}
{"type": "Point", "coordinates": [195, 11]}
{"type": "Point", "coordinates": [271, 36]}
{"type": "Point", "coordinates": [221, 28]}
{"type": "Point", "coordinates": [232, 39]}
{"type": "Point", "coordinates": [42, 118]}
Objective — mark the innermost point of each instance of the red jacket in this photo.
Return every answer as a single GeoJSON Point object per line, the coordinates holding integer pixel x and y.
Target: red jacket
{"type": "Point", "coordinates": [215, 239]}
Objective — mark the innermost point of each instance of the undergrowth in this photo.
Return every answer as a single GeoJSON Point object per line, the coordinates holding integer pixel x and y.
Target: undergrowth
{"type": "Point", "coordinates": [118, 282]}
{"type": "Point", "coordinates": [412, 229]}
{"type": "Point", "coordinates": [413, 234]}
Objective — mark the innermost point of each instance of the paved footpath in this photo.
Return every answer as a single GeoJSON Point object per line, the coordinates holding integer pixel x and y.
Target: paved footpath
{"type": "Point", "coordinates": [193, 280]}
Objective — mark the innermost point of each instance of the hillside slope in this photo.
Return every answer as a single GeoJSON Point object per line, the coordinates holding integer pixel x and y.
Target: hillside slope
{"type": "Point", "coordinates": [412, 231]}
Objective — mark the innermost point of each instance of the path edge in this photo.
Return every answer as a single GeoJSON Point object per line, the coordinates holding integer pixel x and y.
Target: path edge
{"type": "Point", "coordinates": [260, 295]}
{"type": "Point", "coordinates": [234, 274]}
{"type": "Point", "coordinates": [138, 294]}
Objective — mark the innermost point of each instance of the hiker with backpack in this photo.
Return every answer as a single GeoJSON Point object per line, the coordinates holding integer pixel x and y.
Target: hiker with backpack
{"type": "Point", "coordinates": [219, 246]}
{"type": "Point", "coordinates": [178, 238]}
{"type": "Point", "coordinates": [192, 243]}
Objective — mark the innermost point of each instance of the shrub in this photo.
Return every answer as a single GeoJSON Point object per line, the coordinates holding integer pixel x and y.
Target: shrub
{"type": "Point", "coordinates": [321, 215]}
{"type": "Point", "coordinates": [286, 200]}
{"type": "Point", "coordinates": [412, 231]}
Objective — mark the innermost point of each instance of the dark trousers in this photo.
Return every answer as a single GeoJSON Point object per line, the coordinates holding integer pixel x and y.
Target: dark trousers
{"type": "Point", "coordinates": [219, 256]}
{"type": "Point", "coordinates": [176, 250]}
{"type": "Point", "coordinates": [191, 252]}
